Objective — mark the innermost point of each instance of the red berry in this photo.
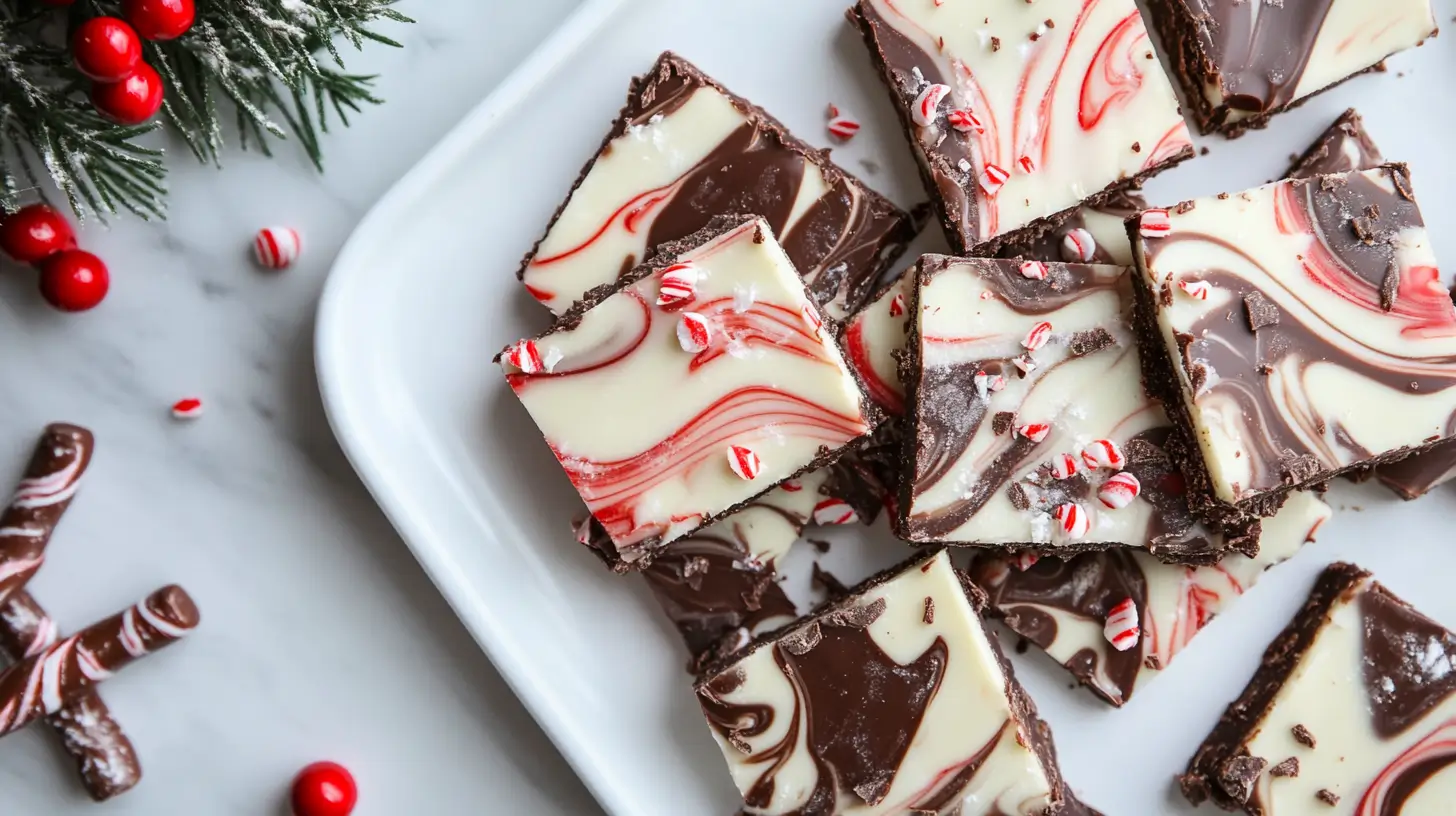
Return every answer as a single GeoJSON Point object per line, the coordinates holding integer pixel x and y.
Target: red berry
{"type": "Point", "coordinates": [106, 49]}
{"type": "Point", "coordinates": [35, 233]}
{"type": "Point", "coordinates": [74, 280]}
{"type": "Point", "coordinates": [324, 789]}
{"type": "Point", "coordinates": [160, 19]}
{"type": "Point", "coordinates": [131, 101]}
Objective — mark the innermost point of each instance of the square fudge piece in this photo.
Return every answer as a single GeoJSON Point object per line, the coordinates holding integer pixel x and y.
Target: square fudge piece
{"type": "Point", "coordinates": [1351, 712]}
{"type": "Point", "coordinates": [1019, 112]}
{"type": "Point", "coordinates": [894, 700]}
{"type": "Point", "coordinates": [1115, 619]}
{"type": "Point", "coordinates": [705, 380]}
{"type": "Point", "coordinates": [685, 149]}
{"type": "Point", "coordinates": [1028, 425]}
{"type": "Point", "coordinates": [1242, 62]}
{"type": "Point", "coordinates": [718, 586]}
{"type": "Point", "coordinates": [1307, 329]}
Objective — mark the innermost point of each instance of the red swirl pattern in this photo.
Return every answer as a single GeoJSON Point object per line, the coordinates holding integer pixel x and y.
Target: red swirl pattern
{"type": "Point", "coordinates": [886, 395]}
{"type": "Point", "coordinates": [1388, 794]}
{"type": "Point", "coordinates": [1113, 77]}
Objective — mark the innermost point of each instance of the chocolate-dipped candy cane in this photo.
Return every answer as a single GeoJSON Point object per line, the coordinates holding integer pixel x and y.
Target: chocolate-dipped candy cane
{"type": "Point", "coordinates": [104, 756]}
{"type": "Point", "coordinates": [50, 480]}
{"type": "Point", "coordinates": [43, 683]}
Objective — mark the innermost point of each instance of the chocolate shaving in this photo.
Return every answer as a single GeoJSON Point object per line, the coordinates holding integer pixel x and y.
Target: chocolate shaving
{"type": "Point", "coordinates": [929, 616]}
{"type": "Point", "coordinates": [1165, 294]}
{"type": "Point", "coordinates": [1018, 497]}
{"type": "Point", "coordinates": [1297, 467]}
{"type": "Point", "coordinates": [1401, 181]}
{"type": "Point", "coordinates": [1238, 774]}
{"type": "Point", "coordinates": [1327, 796]}
{"type": "Point", "coordinates": [1302, 736]}
{"type": "Point", "coordinates": [800, 641]}
{"type": "Point", "coordinates": [1090, 342]}
{"type": "Point", "coordinates": [1001, 422]}
{"type": "Point", "coordinates": [1183, 207]}
{"type": "Point", "coordinates": [1390, 286]}
{"type": "Point", "coordinates": [1364, 230]}
{"type": "Point", "coordinates": [873, 791]}
{"type": "Point", "coordinates": [1289, 768]}
{"type": "Point", "coordinates": [1137, 147]}
{"type": "Point", "coordinates": [1260, 310]}
{"type": "Point", "coordinates": [856, 616]}
{"type": "Point", "coordinates": [995, 43]}
{"type": "Point", "coordinates": [1197, 376]}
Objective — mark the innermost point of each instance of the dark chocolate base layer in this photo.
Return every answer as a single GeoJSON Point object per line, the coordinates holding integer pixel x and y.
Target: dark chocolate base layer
{"type": "Point", "coordinates": [1195, 70]}
{"type": "Point", "coordinates": [658, 259]}
{"type": "Point", "coordinates": [1023, 709]}
{"type": "Point", "coordinates": [1242, 719]}
{"type": "Point", "coordinates": [906, 227]}
{"type": "Point", "coordinates": [1023, 236]}
{"type": "Point", "coordinates": [1322, 154]}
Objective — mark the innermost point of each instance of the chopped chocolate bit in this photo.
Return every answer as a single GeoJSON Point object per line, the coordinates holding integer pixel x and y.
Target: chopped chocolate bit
{"type": "Point", "coordinates": [1327, 796]}
{"type": "Point", "coordinates": [1049, 23]}
{"type": "Point", "coordinates": [1090, 342]}
{"type": "Point", "coordinates": [727, 682]}
{"type": "Point", "coordinates": [1364, 230]}
{"type": "Point", "coordinates": [856, 616]}
{"type": "Point", "coordinates": [1223, 196]}
{"type": "Point", "coordinates": [1022, 645]}
{"type": "Point", "coordinates": [758, 233]}
{"type": "Point", "coordinates": [736, 740]}
{"type": "Point", "coordinates": [1238, 774]}
{"type": "Point", "coordinates": [1390, 286]}
{"type": "Point", "coordinates": [1401, 181]}
{"type": "Point", "coordinates": [800, 641]}
{"type": "Point", "coordinates": [1002, 421]}
{"type": "Point", "coordinates": [873, 791]}
{"type": "Point", "coordinates": [1018, 497]}
{"type": "Point", "coordinates": [1183, 207]}
{"type": "Point", "coordinates": [1260, 310]}
{"type": "Point", "coordinates": [825, 580]}
{"type": "Point", "coordinates": [1289, 768]}
{"type": "Point", "coordinates": [1295, 468]}
{"type": "Point", "coordinates": [995, 43]}
{"type": "Point", "coordinates": [1265, 369]}
{"type": "Point", "coordinates": [1202, 151]}
{"type": "Point", "coordinates": [1328, 183]}
{"type": "Point", "coordinates": [819, 544]}
{"type": "Point", "coordinates": [1152, 662]}
{"type": "Point", "coordinates": [1302, 736]}
{"type": "Point", "coordinates": [1197, 376]}
{"type": "Point", "coordinates": [1373, 211]}
{"type": "Point", "coordinates": [1137, 147]}
{"type": "Point", "coordinates": [1035, 36]}
{"type": "Point", "coordinates": [1165, 293]}
{"type": "Point", "coordinates": [929, 616]}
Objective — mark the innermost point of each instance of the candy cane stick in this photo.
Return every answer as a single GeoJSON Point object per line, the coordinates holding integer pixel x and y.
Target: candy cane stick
{"type": "Point", "coordinates": [40, 685]}
{"type": "Point", "coordinates": [104, 756]}
{"type": "Point", "coordinates": [51, 478]}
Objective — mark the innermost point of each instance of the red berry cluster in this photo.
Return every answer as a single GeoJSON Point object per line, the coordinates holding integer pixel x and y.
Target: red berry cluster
{"type": "Point", "coordinates": [109, 51]}
{"type": "Point", "coordinates": [70, 279]}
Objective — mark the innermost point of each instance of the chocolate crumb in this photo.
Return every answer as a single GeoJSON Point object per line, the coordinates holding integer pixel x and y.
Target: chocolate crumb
{"type": "Point", "coordinates": [1390, 286]}
{"type": "Point", "coordinates": [1137, 147]}
{"type": "Point", "coordinates": [1152, 662]}
{"type": "Point", "coordinates": [1022, 645]}
{"type": "Point", "coordinates": [1001, 422]}
{"type": "Point", "coordinates": [929, 616]}
{"type": "Point", "coordinates": [1289, 768]}
{"type": "Point", "coordinates": [1019, 499]}
{"type": "Point", "coordinates": [1090, 342]}
{"type": "Point", "coordinates": [873, 791]}
{"type": "Point", "coordinates": [736, 740]}
{"type": "Point", "coordinates": [1373, 211]}
{"type": "Point", "coordinates": [1327, 796]}
{"type": "Point", "coordinates": [1183, 207]}
{"type": "Point", "coordinates": [801, 641]}
{"type": "Point", "coordinates": [1049, 23]}
{"type": "Point", "coordinates": [1223, 196]}
{"type": "Point", "coordinates": [819, 544]}
{"type": "Point", "coordinates": [995, 43]}
{"type": "Point", "coordinates": [1302, 736]}
{"type": "Point", "coordinates": [1364, 230]}
{"type": "Point", "coordinates": [1260, 310]}
{"type": "Point", "coordinates": [1401, 182]}
{"type": "Point", "coordinates": [1165, 294]}
{"type": "Point", "coordinates": [856, 616]}
{"type": "Point", "coordinates": [1238, 774]}
{"type": "Point", "coordinates": [1035, 36]}
{"type": "Point", "coordinates": [1297, 467]}
{"type": "Point", "coordinates": [758, 236]}
{"type": "Point", "coordinates": [1203, 151]}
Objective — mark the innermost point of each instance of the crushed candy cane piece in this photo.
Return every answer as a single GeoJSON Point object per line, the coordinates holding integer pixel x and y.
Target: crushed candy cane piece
{"type": "Point", "coordinates": [693, 333]}
{"type": "Point", "coordinates": [1119, 491]}
{"type": "Point", "coordinates": [1064, 466]}
{"type": "Point", "coordinates": [189, 408]}
{"type": "Point", "coordinates": [1121, 628]}
{"type": "Point", "coordinates": [1034, 270]}
{"type": "Point", "coordinates": [927, 104]}
{"type": "Point", "coordinates": [525, 357]}
{"type": "Point", "coordinates": [1155, 224]}
{"type": "Point", "coordinates": [993, 178]}
{"type": "Point", "coordinates": [1037, 336]}
{"type": "Point", "coordinates": [964, 121]}
{"type": "Point", "coordinates": [1035, 431]}
{"type": "Point", "coordinates": [679, 284]}
{"type": "Point", "coordinates": [1198, 290]}
{"type": "Point", "coordinates": [1078, 245]}
{"type": "Point", "coordinates": [744, 462]}
{"type": "Point", "coordinates": [1072, 521]}
{"type": "Point", "coordinates": [1104, 453]}
{"type": "Point", "coordinates": [834, 511]}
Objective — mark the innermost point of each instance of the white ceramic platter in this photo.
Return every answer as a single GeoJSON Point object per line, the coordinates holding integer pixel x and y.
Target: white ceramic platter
{"type": "Point", "coordinates": [425, 293]}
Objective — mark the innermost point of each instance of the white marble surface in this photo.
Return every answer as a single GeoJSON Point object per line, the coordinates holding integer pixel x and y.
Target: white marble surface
{"type": "Point", "coordinates": [321, 636]}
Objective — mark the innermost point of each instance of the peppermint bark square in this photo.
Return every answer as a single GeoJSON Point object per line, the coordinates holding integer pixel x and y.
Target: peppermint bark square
{"type": "Point", "coordinates": [685, 149]}
{"type": "Point", "coordinates": [704, 381]}
{"type": "Point", "coordinates": [1069, 608]}
{"type": "Point", "coordinates": [1019, 112]}
{"type": "Point", "coordinates": [1350, 712]}
{"type": "Point", "coordinates": [1305, 331]}
{"type": "Point", "coordinates": [1242, 62]}
{"type": "Point", "coordinates": [894, 700]}
{"type": "Point", "coordinates": [1028, 425]}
